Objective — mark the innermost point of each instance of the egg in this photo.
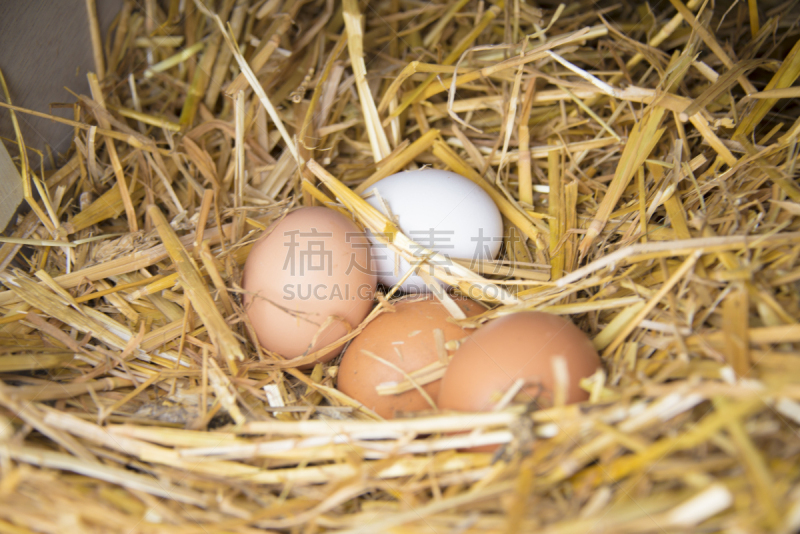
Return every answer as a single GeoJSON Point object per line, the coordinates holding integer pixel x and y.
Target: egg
{"type": "Point", "coordinates": [521, 345]}
{"type": "Point", "coordinates": [405, 338]}
{"type": "Point", "coordinates": [437, 209]}
{"type": "Point", "coordinates": [308, 281]}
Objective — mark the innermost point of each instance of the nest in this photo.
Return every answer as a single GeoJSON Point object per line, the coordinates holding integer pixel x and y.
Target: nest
{"type": "Point", "coordinates": [645, 162]}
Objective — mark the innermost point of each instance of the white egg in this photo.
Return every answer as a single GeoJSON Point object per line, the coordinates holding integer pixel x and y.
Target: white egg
{"type": "Point", "coordinates": [440, 210]}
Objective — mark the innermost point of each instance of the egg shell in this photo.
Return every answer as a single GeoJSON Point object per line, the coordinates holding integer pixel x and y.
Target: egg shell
{"type": "Point", "coordinates": [440, 210]}
{"type": "Point", "coordinates": [405, 338]}
{"type": "Point", "coordinates": [521, 345]}
{"type": "Point", "coordinates": [310, 268]}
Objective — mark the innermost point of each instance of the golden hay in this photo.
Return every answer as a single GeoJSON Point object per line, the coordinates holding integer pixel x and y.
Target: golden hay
{"type": "Point", "coordinates": [645, 162]}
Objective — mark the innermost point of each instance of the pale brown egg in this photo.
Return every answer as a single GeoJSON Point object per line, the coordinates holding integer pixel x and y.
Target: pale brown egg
{"type": "Point", "coordinates": [522, 345]}
{"type": "Point", "coordinates": [404, 338]}
{"type": "Point", "coordinates": [308, 282]}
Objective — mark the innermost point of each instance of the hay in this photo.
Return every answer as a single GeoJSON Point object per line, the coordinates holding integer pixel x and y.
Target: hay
{"type": "Point", "coordinates": [645, 162]}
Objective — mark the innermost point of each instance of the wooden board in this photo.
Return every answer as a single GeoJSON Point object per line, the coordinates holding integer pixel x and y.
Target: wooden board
{"type": "Point", "coordinates": [10, 187]}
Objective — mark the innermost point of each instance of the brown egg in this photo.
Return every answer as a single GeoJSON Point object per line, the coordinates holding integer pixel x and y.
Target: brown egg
{"type": "Point", "coordinates": [404, 338]}
{"type": "Point", "coordinates": [308, 281]}
{"type": "Point", "coordinates": [521, 345]}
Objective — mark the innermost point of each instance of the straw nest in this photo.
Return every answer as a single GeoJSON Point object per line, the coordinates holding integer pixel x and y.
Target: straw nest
{"type": "Point", "coordinates": [648, 159]}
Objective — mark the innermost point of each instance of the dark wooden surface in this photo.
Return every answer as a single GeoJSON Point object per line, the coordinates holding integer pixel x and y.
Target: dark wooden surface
{"type": "Point", "coordinates": [44, 46]}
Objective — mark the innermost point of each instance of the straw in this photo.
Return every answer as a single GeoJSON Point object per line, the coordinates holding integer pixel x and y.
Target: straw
{"type": "Point", "coordinates": [644, 160]}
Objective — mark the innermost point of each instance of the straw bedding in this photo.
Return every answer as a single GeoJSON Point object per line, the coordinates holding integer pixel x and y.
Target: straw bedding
{"type": "Point", "coordinates": [644, 157]}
